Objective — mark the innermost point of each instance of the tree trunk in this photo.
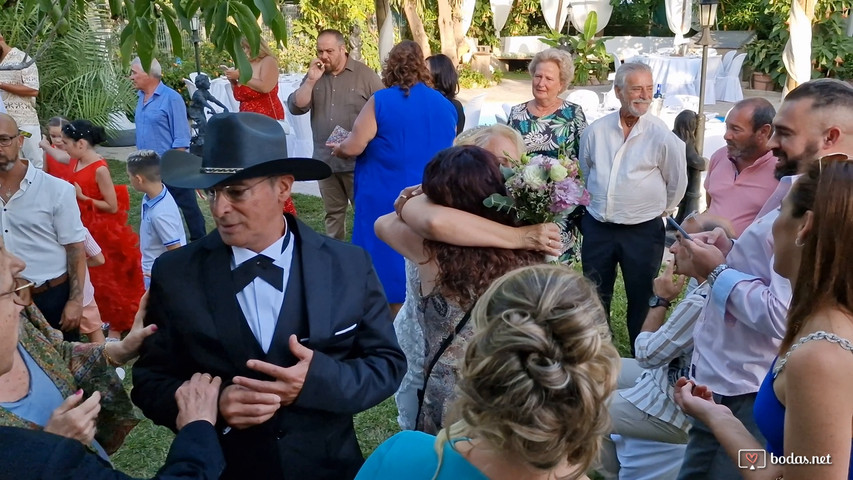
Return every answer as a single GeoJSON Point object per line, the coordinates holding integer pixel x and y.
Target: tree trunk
{"type": "Point", "coordinates": [410, 7]}
{"type": "Point", "coordinates": [458, 35]}
{"type": "Point", "coordinates": [385, 24]}
{"type": "Point", "coordinates": [446, 32]}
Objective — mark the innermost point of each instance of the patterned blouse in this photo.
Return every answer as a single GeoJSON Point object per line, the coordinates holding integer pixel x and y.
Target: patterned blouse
{"type": "Point", "coordinates": [22, 109]}
{"type": "Point", "coordinates": [73, 366]}
{"type": "Point", "coordinates": [551, 134]}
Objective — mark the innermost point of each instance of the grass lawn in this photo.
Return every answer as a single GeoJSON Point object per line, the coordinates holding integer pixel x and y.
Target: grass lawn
{"type": "Point", "coordinates": [145, 449]}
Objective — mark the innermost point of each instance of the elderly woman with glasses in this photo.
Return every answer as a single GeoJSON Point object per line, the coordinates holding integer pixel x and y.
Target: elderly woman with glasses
{"type": "Point", "coordinates": [804, 406]}
{"type": "Point", "coordinates": [44, 380]}
{"type": "Point", "coordinates": [44, 436]}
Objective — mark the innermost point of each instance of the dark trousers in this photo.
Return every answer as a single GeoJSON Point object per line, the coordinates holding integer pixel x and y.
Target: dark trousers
{"type": "Point", "coordinates": [705, 458]}
{"type": "Point", "coordinates": [637, 249]}
{"type": "Point", "coordinates": [51, 302]}
{"type": "Point", "coordinates": [185, 198]}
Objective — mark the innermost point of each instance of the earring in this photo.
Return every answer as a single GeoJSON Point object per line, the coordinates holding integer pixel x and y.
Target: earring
{"type": "Point", "coordinates": [799, 242]}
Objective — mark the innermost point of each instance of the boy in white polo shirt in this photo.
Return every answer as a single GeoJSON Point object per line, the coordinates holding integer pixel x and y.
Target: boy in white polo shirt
{"type": "Point", "coordinates": [161, 227]}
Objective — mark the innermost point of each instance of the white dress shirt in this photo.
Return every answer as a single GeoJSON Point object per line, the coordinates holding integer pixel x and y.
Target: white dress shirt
{"type": "Point", "coordinates": [261, 302]}
{"type": "Point", "coordinates": [632, 180]}
{"type": "Point", "coordinates": [743, 322]}
{"type": "Point", "coordinates": [38, 221]}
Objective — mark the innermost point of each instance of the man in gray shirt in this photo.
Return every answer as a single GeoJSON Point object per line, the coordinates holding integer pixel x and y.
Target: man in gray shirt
{"type": "Point", "coordinates": [335, 89]}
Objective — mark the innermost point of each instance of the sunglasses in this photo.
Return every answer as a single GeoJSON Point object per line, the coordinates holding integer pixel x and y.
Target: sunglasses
{"type": "Point", "coordinates": [234, 193]}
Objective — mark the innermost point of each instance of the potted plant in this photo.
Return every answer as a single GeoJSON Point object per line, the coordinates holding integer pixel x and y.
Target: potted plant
{"type": "Point", "coordinates": [765, 58]}
{"type": "Point", "coordinates": [592, 63]}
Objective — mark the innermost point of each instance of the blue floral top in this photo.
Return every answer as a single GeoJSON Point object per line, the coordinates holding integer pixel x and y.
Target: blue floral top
{"type": "Point", "coordinates": [551, 134]}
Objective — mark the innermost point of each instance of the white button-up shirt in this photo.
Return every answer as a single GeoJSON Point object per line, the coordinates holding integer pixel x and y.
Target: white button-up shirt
{"type": "Point", "coordinates": [261, 302]}
{"type": "Point", "coordinates": [38, 221]}
{"type": "Point", "coordinates": [632, 180]}
{"type": "Point", "coordinates": [743, 322]}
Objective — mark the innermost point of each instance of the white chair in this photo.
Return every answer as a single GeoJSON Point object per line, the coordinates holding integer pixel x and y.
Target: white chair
{"type": "Point", "coordinates": [507, 108]}
{"type": "Point", "coordinates": [191, 88]}
{"type": "Point", "coordinates": [587, 99]}
{"type": "Point", "coordinates": [300, 143]}
{"type": "Point", "coordinates": [611, 101]}
{"type": "Point", "coordinates": [472, 111]}
{"type": "Point", "coordinates": [728, 86]}
{"type": "Point", "coordinates": [682, 102]}
{"type": "Point", "coordinates": [727, 62]}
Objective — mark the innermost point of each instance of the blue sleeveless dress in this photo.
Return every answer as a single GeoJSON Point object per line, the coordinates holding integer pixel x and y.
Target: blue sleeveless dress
{"type": "Point", "coordinates": [410, 131]}
{"type": "Point", "coordinates": [768, 411]}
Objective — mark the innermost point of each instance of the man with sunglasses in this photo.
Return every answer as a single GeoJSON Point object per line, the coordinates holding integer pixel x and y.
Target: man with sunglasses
{"type": "Point", "coordinates": [40, 222]}
{"type": "Point", "coordinates": [743, 321]}
{"type": "Point", "coordinates": [296, 323]}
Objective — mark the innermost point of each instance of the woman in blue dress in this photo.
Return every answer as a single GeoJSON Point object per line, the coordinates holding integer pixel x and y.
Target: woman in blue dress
{"type": "Point", "coordinates": [804, 407]}
{"type": "Point", "coordinates": [396, 134]}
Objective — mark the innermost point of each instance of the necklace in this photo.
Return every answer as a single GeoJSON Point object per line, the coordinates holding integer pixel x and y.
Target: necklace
{"type": "Point", "coordinates": [629, 120]}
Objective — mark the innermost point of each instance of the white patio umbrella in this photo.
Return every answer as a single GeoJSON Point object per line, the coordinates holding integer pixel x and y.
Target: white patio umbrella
{"type": "Point", "coordinates": [467, 11]}
{"type": "Point", "coordinates": [549, 11]}
{"type": "Point", "coordinates": [679, 14]}
{"type": "Point", "coordinates": [581, 9]}
{"type": "Point", "coordinates": [500, 12]}
{"type": "Point", "coordinates": [797, 56]}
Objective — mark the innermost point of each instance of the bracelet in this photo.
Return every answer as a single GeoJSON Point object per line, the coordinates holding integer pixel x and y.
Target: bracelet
{"type": "Point", "coordinates": [110, 361]}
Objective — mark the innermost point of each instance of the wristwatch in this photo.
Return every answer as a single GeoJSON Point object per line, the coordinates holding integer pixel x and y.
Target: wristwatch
{"type": "Point", "coordinates": [712, 277]}
{"type": "Point", "coordinates": [658, 301]}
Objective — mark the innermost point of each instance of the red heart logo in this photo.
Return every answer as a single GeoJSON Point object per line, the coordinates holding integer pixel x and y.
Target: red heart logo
{"type": "Point", "coordinates": [752, 457]}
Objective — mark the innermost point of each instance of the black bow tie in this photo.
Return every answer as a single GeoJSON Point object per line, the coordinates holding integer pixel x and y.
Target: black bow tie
{"type": "Point", "coordinates": [260, 266]}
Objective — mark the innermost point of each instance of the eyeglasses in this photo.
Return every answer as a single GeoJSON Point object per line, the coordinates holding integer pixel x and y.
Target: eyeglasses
{"type": "Point", "coordinates": [6, 141]}
{"type": "Point", "coordinates": [234, 193]}
{"type": "Point", "coordinates": [22, 293]}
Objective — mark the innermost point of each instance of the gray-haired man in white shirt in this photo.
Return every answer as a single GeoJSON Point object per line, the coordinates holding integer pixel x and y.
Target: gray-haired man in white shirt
{"type": "Point", "coordinates": [635, 170]}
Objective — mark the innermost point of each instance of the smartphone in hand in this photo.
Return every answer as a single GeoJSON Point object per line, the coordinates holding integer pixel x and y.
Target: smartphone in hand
{"type": "Point", "coordinates": [676, 226]}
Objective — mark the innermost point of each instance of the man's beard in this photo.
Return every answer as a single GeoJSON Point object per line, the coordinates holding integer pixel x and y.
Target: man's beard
{"type": "Point", "coordinates": [792, 165]}
{"type": "Point", "coordinates": [6, 165]}
{"type": "Point", "coordinates": [632, 109]}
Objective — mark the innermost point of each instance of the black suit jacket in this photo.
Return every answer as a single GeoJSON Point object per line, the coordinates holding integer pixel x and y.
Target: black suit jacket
{"type": "Point", "coordinates": [357, 362]}
{"type": "Point", "coordinates": [36, 455]}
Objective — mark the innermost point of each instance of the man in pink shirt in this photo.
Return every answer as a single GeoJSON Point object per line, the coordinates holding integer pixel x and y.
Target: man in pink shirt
{"type": "Point", "coordinates": [738, 333]}
{"type": "Point", "coordinates": [741, 174]}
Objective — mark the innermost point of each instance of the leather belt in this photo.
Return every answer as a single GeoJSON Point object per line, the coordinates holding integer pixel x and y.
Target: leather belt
{"type": "Point", "coordinates": [50, 284]}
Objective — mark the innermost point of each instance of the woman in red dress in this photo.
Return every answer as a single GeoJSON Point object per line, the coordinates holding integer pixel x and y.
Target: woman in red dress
{"type": "Point", "coordinates": [103, 209]}
{"type": "Point", "coordinates": [260, 93]}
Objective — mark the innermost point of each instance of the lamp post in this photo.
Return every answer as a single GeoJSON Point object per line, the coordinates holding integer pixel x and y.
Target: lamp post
{"type": "Point", "coordinates": [707, 17]}
{"type": "Point", "coordinates": [194, 26]}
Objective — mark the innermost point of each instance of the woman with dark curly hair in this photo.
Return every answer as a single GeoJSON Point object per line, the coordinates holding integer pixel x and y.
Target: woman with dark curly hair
{"type": "Point", "coordinates": [452, 277]}
{"type": "Point", "coordinates": [533, 388]}
{"type": "Point", "coordinates": [445, 79]}
{"type": "Point", "coordinates": [399, 129]}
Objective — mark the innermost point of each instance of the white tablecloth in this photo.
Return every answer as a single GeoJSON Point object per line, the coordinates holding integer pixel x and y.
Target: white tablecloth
{"type": "Point", "coordinates": [680, 75]}
{"type": "Point", "coordinates": [300, 142]}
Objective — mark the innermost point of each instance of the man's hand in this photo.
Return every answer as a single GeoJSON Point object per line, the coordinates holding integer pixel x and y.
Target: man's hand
{"type": "Point", "coordinates": [667, 285]}
{"type": "Point", "coordinates": [716, 237]}
{"type": "Point", "coordinates": [288, 381]}
{"type": "Point", "coordinates": [405, 195]}
{"type": "Point", "coordinates": [71, 315]}
{"type": "Point", "coordinates": [244, 408]}
{"type": "Point", "coordinates": [316, 69]}
{"type": "Point", "coordinates": [196, 399]}
{"type": "Point", "coordinates": [76, 420]}
{"type": "Point", "coordinates": [704, 257]}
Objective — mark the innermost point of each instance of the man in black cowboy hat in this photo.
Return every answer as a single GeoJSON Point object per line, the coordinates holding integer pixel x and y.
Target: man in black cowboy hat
{"type": "Point", "coordinates": [295, 323]}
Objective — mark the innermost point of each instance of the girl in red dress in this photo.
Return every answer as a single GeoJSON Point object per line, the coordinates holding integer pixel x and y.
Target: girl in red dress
{"type": "Point", "coordinates": [260, 94]}
{"type": "Point", "coordinates": [56, 159]}
{"type": "Point", "coordinates": [103, 209]}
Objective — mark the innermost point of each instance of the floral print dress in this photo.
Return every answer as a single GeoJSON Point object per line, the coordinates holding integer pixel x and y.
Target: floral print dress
{"type": "Point", "coordinates": [552, 134]}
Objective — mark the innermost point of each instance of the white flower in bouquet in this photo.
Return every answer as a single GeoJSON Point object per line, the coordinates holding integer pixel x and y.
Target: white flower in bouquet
{"type": "Point", "coordinates": [534, 176]}
{"type": "Point", "coordinates": [558, 172]}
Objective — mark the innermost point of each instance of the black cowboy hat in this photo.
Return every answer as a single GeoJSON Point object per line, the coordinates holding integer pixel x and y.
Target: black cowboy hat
{"type": "Point", "coordinates": [238, 146]}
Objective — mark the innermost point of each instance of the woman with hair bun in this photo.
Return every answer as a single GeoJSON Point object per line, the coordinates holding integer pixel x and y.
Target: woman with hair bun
{"type": "Point", "coordinates": [533, 388]}
{"type": "Point", "coordinates": [103, 209]}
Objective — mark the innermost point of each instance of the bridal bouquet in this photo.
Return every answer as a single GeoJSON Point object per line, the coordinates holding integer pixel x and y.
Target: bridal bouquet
{"type": "Point", "coordinates": [541, 189]}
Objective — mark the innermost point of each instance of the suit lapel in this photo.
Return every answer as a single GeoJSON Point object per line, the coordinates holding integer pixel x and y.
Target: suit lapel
{"type": "Point", "coordinates": [318, 282]}
{"type": "Point", "coordinates": [222, 303]}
